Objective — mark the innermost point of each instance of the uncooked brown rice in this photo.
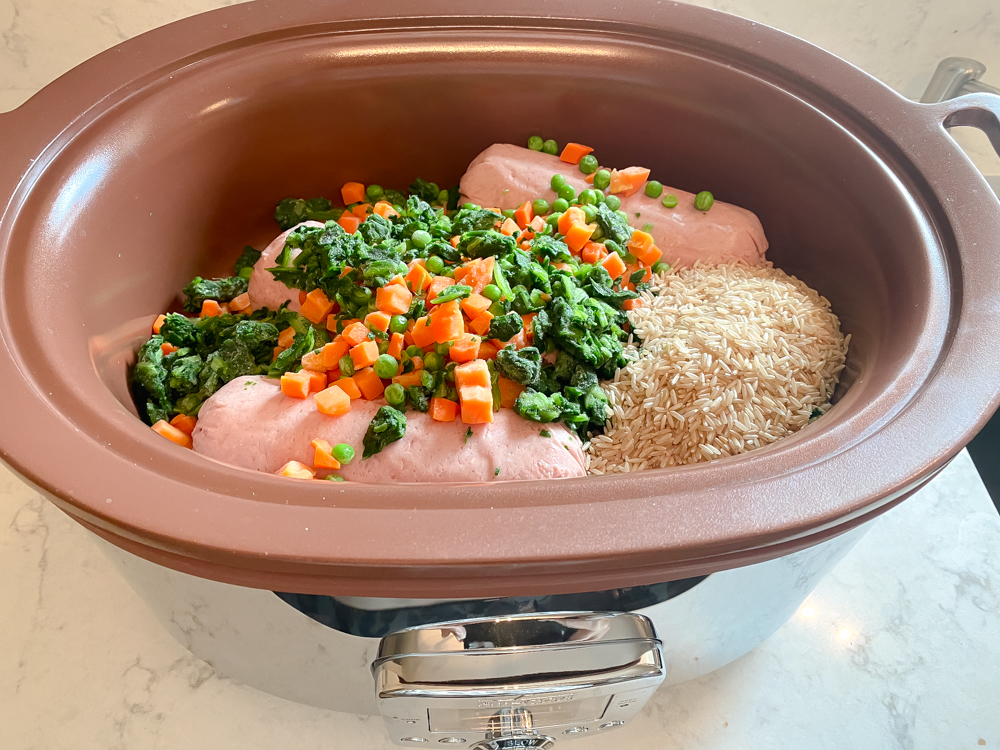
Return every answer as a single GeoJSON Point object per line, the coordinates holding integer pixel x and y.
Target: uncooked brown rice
{"type": "Point", "coordinates": [733, 357]}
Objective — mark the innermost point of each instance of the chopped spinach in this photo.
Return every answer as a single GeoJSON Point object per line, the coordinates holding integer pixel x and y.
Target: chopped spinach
{"type": "Point", "coordinates": [387, 426]}
{"type": "Point", "coordinates": [221, 290]}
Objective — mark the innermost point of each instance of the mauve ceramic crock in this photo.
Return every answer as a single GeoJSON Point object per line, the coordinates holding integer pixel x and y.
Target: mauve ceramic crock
{"type": "Point", "coordinates": [164, 156]}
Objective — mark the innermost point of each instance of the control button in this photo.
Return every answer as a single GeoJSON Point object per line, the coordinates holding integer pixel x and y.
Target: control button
{"type": "Point", "coordinates": [452, 740]}
{"type": "Point", "coordinates": [576, 730]}
{"type": "Point", "coordinates": [412, 739]}
{"type": "Point", "coordinates": [611, 724]}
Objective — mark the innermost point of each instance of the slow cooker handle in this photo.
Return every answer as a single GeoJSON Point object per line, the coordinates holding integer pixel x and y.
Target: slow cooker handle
{"type": "Point", "coordinates": [957, 97]}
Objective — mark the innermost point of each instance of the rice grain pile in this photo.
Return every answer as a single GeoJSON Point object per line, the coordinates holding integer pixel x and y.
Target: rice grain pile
{"type": "Point", "coordinates": [733, 357]}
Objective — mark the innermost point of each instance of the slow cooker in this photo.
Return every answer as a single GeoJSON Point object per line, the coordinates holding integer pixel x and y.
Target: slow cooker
{"type": "Point", "coordinates": [508, 614]}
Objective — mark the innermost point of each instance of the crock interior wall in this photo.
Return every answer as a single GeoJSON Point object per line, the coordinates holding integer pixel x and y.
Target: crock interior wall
{"type": "Point", "coordinates": [186, 175]}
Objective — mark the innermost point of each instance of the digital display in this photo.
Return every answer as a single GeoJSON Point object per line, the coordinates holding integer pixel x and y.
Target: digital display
{"type": "Point", "coordinates": [545, 712]}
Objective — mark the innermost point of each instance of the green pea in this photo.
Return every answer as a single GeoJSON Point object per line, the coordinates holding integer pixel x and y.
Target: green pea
{"type": "Point", "coordinates": [557, 181]}
{"type": "Point", "coordinates": [588, 164]}
{"type": "Point", "coordinates": [583, 270]}
{"type": "Point", "coordinates": [598, 231]}
{"type": "Point", "coordinates": [433, 361]}
{"type": "Point", "coordinates": [589, 213]}
{"type": "Point", "coordinates": [383, 346]}
{"type": "Point", "coordinates": [421, 239]}
{"type": "Point", "coordinates": [537, 300]}
{"type": "Point", "coordinates": [426, 379]}
{"type": "Point", "coordinates": [654, 188]}
{"type": "Point", "coordinates": [586, 198]}
{"type": "Point", "coordinates": [535, 143]}
{"type": "Point", "coordinates": [540, 207]}
{"type": "Point", "coordinates": [669, 200]}
{"type": "Point", "coordinates": [492, 292]}
{"type": "Point", "coordinates": [599, 196]}
{"type": "Point", "coordinates": [704, 200]}
{"type": "Point", "coordinates": [395, 395]}
{"type": "Point", "coordinates": [602, 179]}
{"type": "Point", "coordinates": [566, 192]}
{"type": "Point", "coordinates": [553, 219]}
{"type": "Point", "coordinates": [346, 366]}
{"type": "Point", "coordinates": [548, 230]}
{"type": "Point", "coordinates": [434, 265]}
{"type": "Point", "coordinates": [508, 213]}
{"type": "Point", "coordinates": [398, 323]}
{"type": "Point", "coordinates": [414, 351]}
{"type": "Point", "coordinates": [613, 202]}
{"type": "Point", "coordinates": [559, 205]}
{"type": "Point", "coordinates": [246, 272]}
{"type": "Point", "coordinates": [622, 214]}
{"type": "Point", "coordinates": [443, 349]}
{"type": "Point", "coordinates": [613, 247]}
{"type": "Point", "coordinates": [361, 295]}
{"type": "Point", "coordinates": [497, 308]}
{"type": "Point", "coordinates": [374, 192]}
{"type": "Point", "coordinates": [470, 206]}
{"type": "Point", "coordinates": [660, 267]}
{"type": "Point", "coordinates": [550, 147]}
{"type": "Point", "coordinates": [443, 197]}
{"type": "Point", "coordinates": [449, 272]}
{"type": "Point", "coordinates": [385, 366]}
{"type": "Point", "coordinates": [334, 478]}
{"type": "Point", "coordinates": [343, 452]}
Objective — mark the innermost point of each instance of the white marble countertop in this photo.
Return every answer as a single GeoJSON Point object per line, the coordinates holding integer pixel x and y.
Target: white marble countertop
{"type": "Point", "coordinates": [899, 647]}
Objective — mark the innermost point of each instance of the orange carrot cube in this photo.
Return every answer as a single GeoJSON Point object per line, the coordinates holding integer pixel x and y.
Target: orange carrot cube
{"type": "Point", "coordinates": [395, 349]}
{"type": "Point", "coordinates": [377, 320]}
{"type": "Point", "coordinates": [333, 352]}
{"type": "Point", "coordinates": [614, 265]}
{"type": "Point", "coordinates": [523, 214]}
{"type": "Point", "coordinates": [356, 333]}
{"type": "Point", "coordinates": [333, 401]}
{"type": "Point", "coordinates": [210, 309]}
{"type": "Point", "coordinates": [314, 361]}
{"type": "Point", "coordinates": [240, 302]}
{"type": "Point", "coordinates": [443, 410]}
{"type": "Point", "coordinates": [158, 323]}
{"type": "Point", "coordinates": [418, 279]}
{"type": "Point", "coordinates": [438, 285]}
{"type": "Point", "coordinates": [640, 242]}
{"type": "Point", "coordinates": [572, 215]}
{"type": "Point", "coordinates": [184, 423]}
{"type": "Point", "coordinates": [296, 384]}
{"type": "Point", "coordinates": [369, 383]}
{"type": "Point", "coordinates": [422, 334]}
{"type": "Point", "coordinates": [481, 323]}
{"type": "Point", "coordinates": [408, 379]}
{"type": "Point", "coordinates": [352, 192]}
{"type": "Point", "coordinates": [474, 373]}
{"type": "Point", "coordinates": [167, 348]}
{"type": "Point", "coordinates": [316, 306]}
{"type": "Point", "coordinates": [579, 235]}
{"type": "Point", "coordinates": [348, 386]}
{"type": "Point", "coordinates": [509, 391]}
{"type": "Point", "coordinates": [296, 470]}
{"type": "Point", "coordinates": [477, 403]}
{"type": "Point", "coordinates": [323, 455]}
{"type": "Point", "coordinates": [172, 433]}
{"type": "Point", "coordinates": [465, 349]}
{"type": "Point", "coordinates": [349, 222]}
{"type": "Point", "coordinates": [474, 305]}
{"type": "Point", "coordinates": [573, 152]}
{"type": "Point", "coordinates": [286, 338]}
{"type": "Point", "coordinates": [364, 354]}
{"type": "Point", "coordinates": [361, 210]}
{"type": "Point", "coordinates": [384, 209]}
{"type": "Point", "coordinates": [317, 380]}
{"type": "Point", "coordinates": [509, 227]}
{"type": "Point", "coordinates": [394, 299]}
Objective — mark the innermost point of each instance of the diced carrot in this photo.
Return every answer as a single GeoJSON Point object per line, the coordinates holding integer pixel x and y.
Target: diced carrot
{"type": "Point", "coordinates": [317, 380]}
{"type": "Point", "coordinates": [302, 297]}
{"type": "Point", "coordinates": [314, 361]}
{"type": "Point", "coordinates": [172, 434]}
{"type": "Point", "coordinates": [352, 192]}
{"type": "Point", "coordinates": [640, 241]}
{"type": "Point", "coordinates": [631, 268]}
{"type": "Point", "coordinates": [509, 391]}
{"type": "Point", "coordinates": [438, 285]}
{"type": "Point", "coordinates": [240, 302]}
{"type": "Point", "coordinates": [333, 401]}
{"type": "Point", "coordinates": [487, 350]}
{"type": "Point", "coordinates": [563, 266]}
{"type": "Point", "coordinates": [537, 224]}
{"type": "Point", "coordinates": [614, 265]}
{"type": "Point", "coordinates": [349, 222]}
{"type": "Point", "coordinates": [475, 304]}
{"type": "Point", "coordinates": [296, 384]}
{"type": "Point", "coordinates": [210, 309]}
{"type": "Point", "coordinates": [465, 349]}
{"type": "Point", "coordinates": [476, 273]}
{"type": "Point", "coordinates": [316, 307]}
{"type": "Point", "coordinates": [361, 210]}
{"type": "Point", "coordinates": [296, 470]}
{"type": "Point", "coordinates": [418, 363]}
{"type": "Point", "coordinates": [167, 348]}
{"type": "Point", "coordinates": [364, 354]}
{"type": "Point", "coordinates": [385, 210]}
{"type": "Point", "coordinates": [184, 423]}
{"type": "Point", "coordinates": [158, 323]}
{"type": "Point", "coordinates": [631, 304]}
{"type": "Point", "coordinates": [408, 379]}
{"type": "Point", "coordinates": [286, 338]}
{"type": "Point", "coordinates": [572, 215]}
{"type": "Point", "coordinates": [348, 386]}
{"type": "Point", "coordinates": [394, 299]}
{"type": "Point", "coordinates": [377, 320]}
{"type": "Point", "coordinates": [323, 456]}
{"type": "Point", "coordinates": [333, 351]}
{"type": "Point", "coordinates": [355, 333]}
{"type": "Point", "coordinates": [573, 152]}
{"type": "Point", "coordinates": [523, 214]}
{"type": "Point", "coordinates": [397, 279]}
{"type": "Point", "coordinates": [369, 383]}
{"type": "Point", "coordinates": [331, 322]}
{"type": "Point", "coordinates": [628, 181]}
{"type": "Point", "coordinates": [474, 373]}
{"type": "Point", "coordinates": [277, 350]}
{"type": "Point", "coordinates": [481, 323]}
{"type": "Point", "coordinates": [649, 256]}
{"type": "Point", "coordinates": [593, 252]}
{"type": "Point", "coordinates": [446, 322]}
{"type": "Point", "coordinates": [422, 334]}
{"type": "Point", "coordinates": [477, 403]}
{"type": "Point", "coordinates": [418, 279]}
{"type": "Point", "coordinates": [509, 227]}
{"type": "Point", "coordinates": [395, 349]}
{"type": "Point", "coordinates": [443, 410]}
{"type": "Point", "coordinates": [455, 240]}
{"type": "Point", "coordinates": [579, 235]}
